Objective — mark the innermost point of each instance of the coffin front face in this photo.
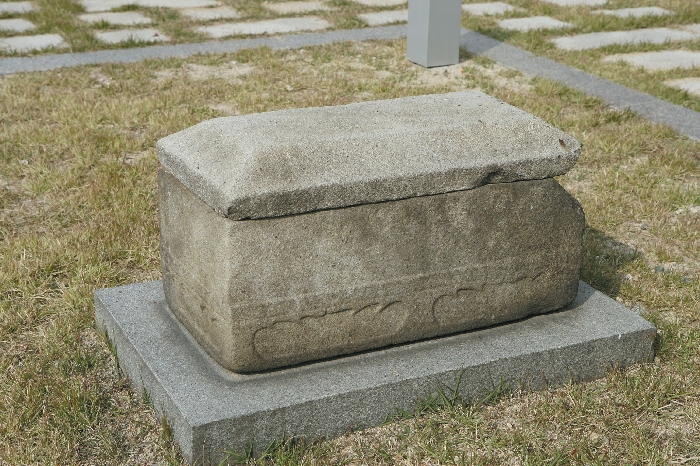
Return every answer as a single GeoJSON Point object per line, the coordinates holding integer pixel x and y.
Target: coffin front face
{"type": "Point", "coordinates": [272, 292]}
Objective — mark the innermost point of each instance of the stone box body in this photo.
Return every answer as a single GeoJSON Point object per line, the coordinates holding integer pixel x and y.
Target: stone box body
{"type": "Point", "coordinates": [305, 234]}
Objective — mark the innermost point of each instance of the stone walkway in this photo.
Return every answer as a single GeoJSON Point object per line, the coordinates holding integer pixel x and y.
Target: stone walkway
{"type": "Point", "coordinates": [128, 23]}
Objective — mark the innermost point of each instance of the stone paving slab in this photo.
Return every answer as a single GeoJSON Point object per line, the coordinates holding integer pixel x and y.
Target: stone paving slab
{"type": "Point", "coordinates": [123, 35]}
{"type": "Point", "coordinates": [23, 44]}
{"type": "Point", "coordinates": [635, 12]}
{"type": "Point", "coordinates": [577, 2]}
{"type": "Point", "coordinates": [16, 25]}
{"type": "Point", "coordinates": [122, 18]}
{"type": "Point", "coordinates": [380, 3]}
{"type": "Point", "coordinates": [493, 8]}
{"type": "Point", "coordinates": [106, 5]}
{"type": "Point", "coordinates": [535, 22]}
{"type": "Point", "coordinates": [17, 7]}
{"type": "Point", "coordinates": [273, 26]}
{"type": "Point", "coordinates": [209, 14]}
{"type": "Point", "coordinates": [691, 85]}
{"type": "Point", "coordinates": [380, 18]}
{"type": "Point", "coordinates": [211, 410]}
{"type": "Point", "coordinates": [657, 61]}
{"type": "Point", "coordinates": [638, 36]}
{"type": "Point", "coordinates": [286, 8]}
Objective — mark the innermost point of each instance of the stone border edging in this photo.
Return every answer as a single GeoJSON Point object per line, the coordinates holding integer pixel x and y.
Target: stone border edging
{"type": "Point", "coordinates": [289, 41]}
{"type": "Point", "coordinates": [681, 119]}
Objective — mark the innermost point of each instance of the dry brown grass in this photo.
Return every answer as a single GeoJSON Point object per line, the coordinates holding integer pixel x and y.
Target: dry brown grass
{"type": "Point", "coordinates": [78, 212]}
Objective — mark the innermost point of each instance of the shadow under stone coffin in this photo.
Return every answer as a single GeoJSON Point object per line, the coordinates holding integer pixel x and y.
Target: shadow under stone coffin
{"type": "Point", "coordinates": [304, 234]}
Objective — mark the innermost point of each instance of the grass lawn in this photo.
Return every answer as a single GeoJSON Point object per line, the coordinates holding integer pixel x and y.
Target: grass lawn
{"type": "Point", "coordinates": [78, 211]}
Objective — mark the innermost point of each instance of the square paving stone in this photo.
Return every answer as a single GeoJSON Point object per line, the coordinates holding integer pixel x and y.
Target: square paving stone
{"type": "Point", "coordinates": [691, 85]}
{"type": "Point", "coordinates": [16, 25]}
{"type": "Point", "coordinates": [122, 18]}
{"type": "Point", "coordinates": [535, 22]}
{"type": "Point", "coordinates": [635, 12]}
{"type": "Point", "coordinates": [273, 26]}
{"type": "Point", "coordinates": [382, 2]}
{"type": "Point", "coordinates": [28, 43]}
{"type": "Point", "coordinates": [483, 9]}
{"type": "Point", "coordinates": [17, 7]}
{"type": "Point", "coordinates": [209, 14]}
{"type": "Point", "coordinates": [212, 411]}
{"type": "Point", "coordinates": [123, 35]}
{"type": "Point", "coordinates": [286, 8]}
{"type": "Point", "coordinates": [638, 36]}
{"type": "Point", "coordinates": [384, 17]}
{"type": "Point", "coordinates": [177, 3]}
{"type": "Point", "coordinates": [656, 61]}
{"type": "Point", "coordinates": [106, 5]}
{"type": "Point", "coordinates": [577, 2]}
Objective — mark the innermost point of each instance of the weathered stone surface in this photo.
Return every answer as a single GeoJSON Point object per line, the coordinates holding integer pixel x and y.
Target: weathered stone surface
{"type": "Point", "coordinates": [533, 23]}
{"type": "Point", "coordinates": [661, 60]}
{"type": "Point", "coordinates": [260, 294]}
{"type": "Point", "coordinates": [122, 18]}
{"type": "Point", "coordinates": [577, 2]}
{"type": "Point", "coordinates": [16, 25]}
{"type": "Point", "coordinates": [379, 18]}
{"type": "Point", "coordinates": [28, 43]}
{"type": "Point", "coordinates": [285, 8]}
{"type": "Point", "coordinates": [17, 7]}
{"type": "Point", "coordinates": [272, 26]}
{"type": "Point", "coordinates": [382, 3]}
{"type": "Point", "coordinates": [212, 412]}
{"type": "Point", "coordinates": [106, 5]}
{"type": "Point", "coordinates": [595, 40]}
{"type": "Point", "coordinates": [690, 85]}
{"type": "Point", "coordinates": [209, 14]}
{"type": "Point", "coordinates": [635, 12]}
{"type": "Point", "coordinates": [491, 8]}
{"type": "Point", "coordinates": [123, 35]}
{"type": "Point", "coordinates": [294, 161]}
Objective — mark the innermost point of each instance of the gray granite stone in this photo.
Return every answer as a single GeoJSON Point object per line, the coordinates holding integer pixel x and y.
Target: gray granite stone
{"type": "Point", "coordinates": [484, 9]}
{"type": "Point", "coordinates": [272, 26]}
{"type": "Point", "coordinates": [577, 2]}
{"type": "Point", "coordinates": [16, 25]}
{"type": "Point", "coordinates": [285, 8]}
{"type": "Point", "coordinates": [210, 14]}
{"type": "Point", "coordinates": [106, 5]}
{"type": "Point", "coordinates": [690, 85]}
{"type": "Point", "coordinates": [595, 40]}
{"type": "Point", "coordinates": [657, 61]}
{"type": "Point", "coordinates": [533, 23]}
{"type": "Point", "coordinates": [302, 160]}
{"type": "Point", "coordinates": [23, 44]}
{"type": "Point", "coordinates": [635, 12]}
{"type": "Point", "coordinates": [122, 18]}
{"type": "Point", "coordinates": [267, 293]}
{"type": "Point", "coordinates": [379, 18]}
{"type": "Point", "coordinates": [382, 3]}
{"type": "Point", "coordinates": [17, 7]}
{"type": "Point", "coordinates": [212, 411]}
{"type": "Point", "coordinates": [123, 35]}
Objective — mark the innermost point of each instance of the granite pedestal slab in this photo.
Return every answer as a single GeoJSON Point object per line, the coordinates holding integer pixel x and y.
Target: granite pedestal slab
{"type": "Point", "coordinates": [213, 411]}
{"type": "Point", "coordinates": [305, 234]}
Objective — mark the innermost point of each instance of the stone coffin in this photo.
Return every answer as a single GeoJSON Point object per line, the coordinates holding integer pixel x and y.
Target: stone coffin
{"type": "Point", "coordinates": [304, 234]}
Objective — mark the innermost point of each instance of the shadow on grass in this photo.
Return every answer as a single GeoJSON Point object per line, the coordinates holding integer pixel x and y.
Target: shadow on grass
{"type": "Point", "coordinates": [604, 257]}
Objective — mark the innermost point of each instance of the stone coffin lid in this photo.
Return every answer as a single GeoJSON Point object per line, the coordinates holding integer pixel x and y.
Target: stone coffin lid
{"type": "Point", "coordinates": [302, 160]}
